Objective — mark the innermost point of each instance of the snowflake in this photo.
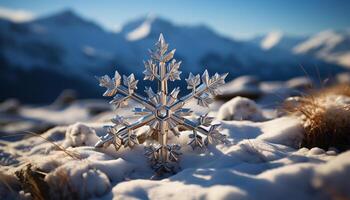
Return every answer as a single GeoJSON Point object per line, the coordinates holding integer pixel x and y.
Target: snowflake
{"type": "Point", "coordinates": [163, 112]}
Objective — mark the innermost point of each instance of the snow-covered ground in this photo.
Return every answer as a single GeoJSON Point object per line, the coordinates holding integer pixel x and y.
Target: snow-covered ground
{"type": "Point", "coordinates": [261, 161]}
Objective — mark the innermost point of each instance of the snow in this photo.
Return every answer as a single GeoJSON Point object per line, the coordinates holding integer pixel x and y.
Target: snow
{"type": "Point", "coordinates": [295, 180]}
{"type": "Point", "coordinates": [89, 51]}
{"type": "Point", "coordinates": [240, 108]}
{"type": "Point", "coordinates": [327, 45]}
{"type": "Point", "coordinates": [290, 134]}
{"type": "Point", "coordinates": [326, 39]}
{"type": "Point", "coordinates": [142, 31]}
{"type": "Point", "coordinates": [269, 93]}
{"type": "Point", "coordinates": [260, 157]}
{"type": "Point", "coordinates": [57, 116]}
{"type": "Point", "coordinates": [344, 59]}
{"type": "Point", "coordinates": [241, 86]}
{"type": "Point", "coordinates": [343, 78]}
{"type": "Point", "coordinates": [299, 83]}
{"type": "Point", "coordinates": [333, 177]}
{"type": "Point", "coordinates": [78, 134]}
{"type": "Point", "coordinates": [79, 174]}
{"type": "Point", "coordinates": [271, 40]}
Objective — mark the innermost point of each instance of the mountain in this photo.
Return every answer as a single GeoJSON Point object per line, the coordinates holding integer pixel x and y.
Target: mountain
{"type": "Point", "coordinates": [329, 46]}
{"type": "Point", "coordinates": [63, 46]}
{"type": "Point", "coordinates": [200, 47]}
{"type": "Point", "coordinates": [277, 40]}
{"type": "Point", "coordinates": [71, 50]}
{"type": "Point", "coordinates": [63, 41]}
{"type": "Point", "coordinates": [193, 43]}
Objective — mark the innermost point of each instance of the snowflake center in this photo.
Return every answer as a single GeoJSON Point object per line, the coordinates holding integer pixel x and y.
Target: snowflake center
{"type": "Point", "coordinates": [162, 113]}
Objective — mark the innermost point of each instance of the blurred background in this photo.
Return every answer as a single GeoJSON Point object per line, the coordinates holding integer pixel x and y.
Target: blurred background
{"type": "Point", "coordinates": [47, 47]}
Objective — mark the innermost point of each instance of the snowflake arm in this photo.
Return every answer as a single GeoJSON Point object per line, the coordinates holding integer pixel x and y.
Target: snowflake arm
{"type": "Point", "coordinates": [212, 136]}
{"type": "Point", "coordinates": [122, 135]}
{"type": "Point", "coordinates": [114, 86]}
{"type": "Point", "coordinates": [204, 92]}
{"type": "Point", "coordinates": [191, 125]}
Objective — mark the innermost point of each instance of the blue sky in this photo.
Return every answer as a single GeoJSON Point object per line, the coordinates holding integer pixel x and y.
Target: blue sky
{"type": "Point", "coordinates": [238, 19]}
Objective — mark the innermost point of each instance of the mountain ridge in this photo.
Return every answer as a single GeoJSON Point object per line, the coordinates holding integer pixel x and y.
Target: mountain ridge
{"type": "Point", "coordinates": [331, 46]}
{"type": "Point", "coordinates": [69, 44]}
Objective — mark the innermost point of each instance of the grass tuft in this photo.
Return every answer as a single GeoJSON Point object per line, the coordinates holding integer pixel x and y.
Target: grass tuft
{"type": "Point", "coordinates": [325, 117]}
{"type": "Point", "coordinates": [32, 181]}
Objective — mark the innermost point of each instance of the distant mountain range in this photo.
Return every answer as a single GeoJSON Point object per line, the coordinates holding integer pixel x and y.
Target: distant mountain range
{"type": "Point", "coordinates": [41, 57]}
{"type": "Point", "coordinates": [330, 46]}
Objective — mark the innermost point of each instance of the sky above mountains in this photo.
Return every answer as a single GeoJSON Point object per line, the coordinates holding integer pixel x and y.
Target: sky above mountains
{"type": "Point", "coordinates": [237, 19]}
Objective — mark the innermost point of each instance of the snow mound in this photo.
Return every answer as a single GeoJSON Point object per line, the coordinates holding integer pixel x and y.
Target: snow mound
{"type": "Point", "coordinates": [246, 86]}
{"type": "Point", "coordinates": [79, 134]}
{"type": "Point", "coordinates": [290, 134]}
{"type": "Point", "coordinates": [240, 108]}
{"type": "Point", "coordinates": [343, 78]}
{"type": "Point", "coordinates": [299, 83]}
{"type": "Point", "coordinates": [81, 178]}
{"type": "Point", "coordinates": [10, 106]}
{"type": "Point", "coordinates": [333, 177]}
{"type": "Point", "coordinates": [294, 181]}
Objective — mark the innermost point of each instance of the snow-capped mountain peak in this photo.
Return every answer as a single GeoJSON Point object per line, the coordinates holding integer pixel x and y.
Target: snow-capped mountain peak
{"type": "Point", "coordinates": [331, 46]}
{"type": "Point", "coordinates": [326, 40]}
{"type": "Point", "coordinates": [142, 31]}
{"type": "Point", "coordinates": [271, 40]}
{"type": "Point", "coordinates": [140, 28]}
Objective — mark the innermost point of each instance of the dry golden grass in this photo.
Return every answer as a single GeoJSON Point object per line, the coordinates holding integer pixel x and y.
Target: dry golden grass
{"type": "Point", "coordinates": [32, 180]}
{"type": "Point", "coordinates": [325, 116]}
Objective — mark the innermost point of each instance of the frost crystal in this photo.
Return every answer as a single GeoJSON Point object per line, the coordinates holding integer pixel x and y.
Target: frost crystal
{"type": "Point", "coordinates": [163, 112]}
